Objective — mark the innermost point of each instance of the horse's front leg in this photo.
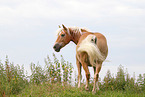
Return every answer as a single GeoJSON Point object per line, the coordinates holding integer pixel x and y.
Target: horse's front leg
{"type": "Point", "coordinates": [96, 77]}
{"type": "Point", "coordinates": [79, 72]}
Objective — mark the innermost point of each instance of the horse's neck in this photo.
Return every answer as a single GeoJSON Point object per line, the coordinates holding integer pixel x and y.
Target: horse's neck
{"type": "Point", "coordinates": [76, 36]}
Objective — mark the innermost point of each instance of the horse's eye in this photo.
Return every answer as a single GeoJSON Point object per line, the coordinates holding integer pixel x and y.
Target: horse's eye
{"type": "Point", "coordinates": [92, 39]}
{"type": "Point", "coordinates": [62, 35]}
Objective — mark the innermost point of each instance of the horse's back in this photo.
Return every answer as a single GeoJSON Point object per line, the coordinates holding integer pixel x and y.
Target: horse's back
{"type": "Point", "coordinates": [102, 43]}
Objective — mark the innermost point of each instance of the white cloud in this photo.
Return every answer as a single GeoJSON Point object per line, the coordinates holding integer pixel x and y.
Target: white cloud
{"type": "Point", "coordinates": [36, 9]}
{"type": "Point", "coordinates": [26, 20]}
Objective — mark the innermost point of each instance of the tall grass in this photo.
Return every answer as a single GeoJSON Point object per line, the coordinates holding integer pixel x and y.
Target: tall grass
{"type": "Point", "coordinates": [53, 72]}
{"type": "Point", "coordinates": [58, 74]}
{"type": "Point", "coordinates": [12, 78]}
{"type": "Point", "coordinates": [123, 81]}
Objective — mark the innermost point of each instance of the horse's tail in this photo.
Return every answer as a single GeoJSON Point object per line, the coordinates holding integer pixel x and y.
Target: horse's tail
{"type": "Point", "coordinates": [89, 46]}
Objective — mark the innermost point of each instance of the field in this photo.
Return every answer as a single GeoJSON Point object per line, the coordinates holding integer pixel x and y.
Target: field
{"type": "Point", "coordinates": [55, 80]}
{"type": "Point", "coordinates": [57, 90]}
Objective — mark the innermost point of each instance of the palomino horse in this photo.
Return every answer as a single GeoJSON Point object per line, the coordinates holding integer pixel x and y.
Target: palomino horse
{"type": "Point", "coordinates": [91, 50]}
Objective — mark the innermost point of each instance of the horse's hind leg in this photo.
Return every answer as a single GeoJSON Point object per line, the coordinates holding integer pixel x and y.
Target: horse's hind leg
{"type": "Point", "coordinates": [87, 76]}
{"type": "Point", "coordinates": [84, 62]}
{"type": "Point", "coordinates": [79, 72]}
{"type": "Point", "coordinates": [96, 76]}
{"type": "Point", "coordinates": [94, 70]}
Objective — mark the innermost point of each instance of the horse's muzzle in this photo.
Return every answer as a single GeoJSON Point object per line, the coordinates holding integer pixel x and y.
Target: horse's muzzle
{"type": "Point", "coordinates": [57, 47]}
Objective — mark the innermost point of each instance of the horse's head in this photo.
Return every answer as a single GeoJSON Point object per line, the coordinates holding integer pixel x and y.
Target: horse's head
{"type": "Point", "coordinates": [62, 39]}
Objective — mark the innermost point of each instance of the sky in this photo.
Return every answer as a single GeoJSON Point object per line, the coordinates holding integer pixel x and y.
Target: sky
{"type": "Point", "coordinates": [28, 30]}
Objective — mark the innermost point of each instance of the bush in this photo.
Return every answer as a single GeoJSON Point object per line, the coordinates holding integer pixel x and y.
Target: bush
{"type": "Point", "coordinates": [12, 78]}
{"type": "Point", "coordinates": [123, 81]}
{"type": "Point", "coordinates": [54, 72]}
{"type": "Point", "coordinates": [38, 74]}
{"type": "Point", "coordinates": [108, 82]}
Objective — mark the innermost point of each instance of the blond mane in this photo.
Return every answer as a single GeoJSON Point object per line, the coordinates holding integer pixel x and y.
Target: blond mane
{"type": "Point", "coordinates": [74, 29]}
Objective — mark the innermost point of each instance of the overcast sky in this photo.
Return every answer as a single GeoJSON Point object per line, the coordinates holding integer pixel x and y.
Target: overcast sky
{"type": "Point", "coordinates": [28, 30]}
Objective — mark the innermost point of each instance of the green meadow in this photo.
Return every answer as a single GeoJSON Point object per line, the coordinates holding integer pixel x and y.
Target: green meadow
{"type": "Point", "coordinates": [55, 80]}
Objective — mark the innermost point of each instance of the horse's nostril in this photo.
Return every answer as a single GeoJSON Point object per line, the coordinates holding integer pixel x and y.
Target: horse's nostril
{"type": "Point", "coordinates": [57, 47]}
{"type": "Point", "coordinates": [54, 47]}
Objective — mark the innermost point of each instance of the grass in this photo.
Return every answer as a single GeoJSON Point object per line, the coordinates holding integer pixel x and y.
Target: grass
{"type": "Point", "coordinates": [58, 90]}
{"type": "Point", "coordinates": [49, 82]}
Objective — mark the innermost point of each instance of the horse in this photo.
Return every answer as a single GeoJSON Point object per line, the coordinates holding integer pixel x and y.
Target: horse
{"type": "Point", "coordinates": [65, 35]}
{"type": "Point", "coordinates": [91, 50]}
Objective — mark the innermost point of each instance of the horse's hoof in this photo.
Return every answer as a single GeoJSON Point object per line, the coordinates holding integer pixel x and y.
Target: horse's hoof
{"type": "Point", "coordinates": [93, 91]}
{"type": "Point", "coordinates": [86, 88]}
{"type": "Point", "coordinates": [79, 86]}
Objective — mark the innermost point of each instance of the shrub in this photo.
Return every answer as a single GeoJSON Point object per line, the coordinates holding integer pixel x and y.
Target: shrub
{"type": "Point", "coordinates": [12, 78]}
{"type": "Point", "coordinates": [37, 75]}
{"type": "Point", "coordinates": [53, 72]}
{"type": "Point", "coordinates": [108, 82]}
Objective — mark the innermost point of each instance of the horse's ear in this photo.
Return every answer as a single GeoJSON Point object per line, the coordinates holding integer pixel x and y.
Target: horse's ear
{"type": "Point", "coordinates": [59, 26]}
{"type": "Point", "coordinates": [64, 27]}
